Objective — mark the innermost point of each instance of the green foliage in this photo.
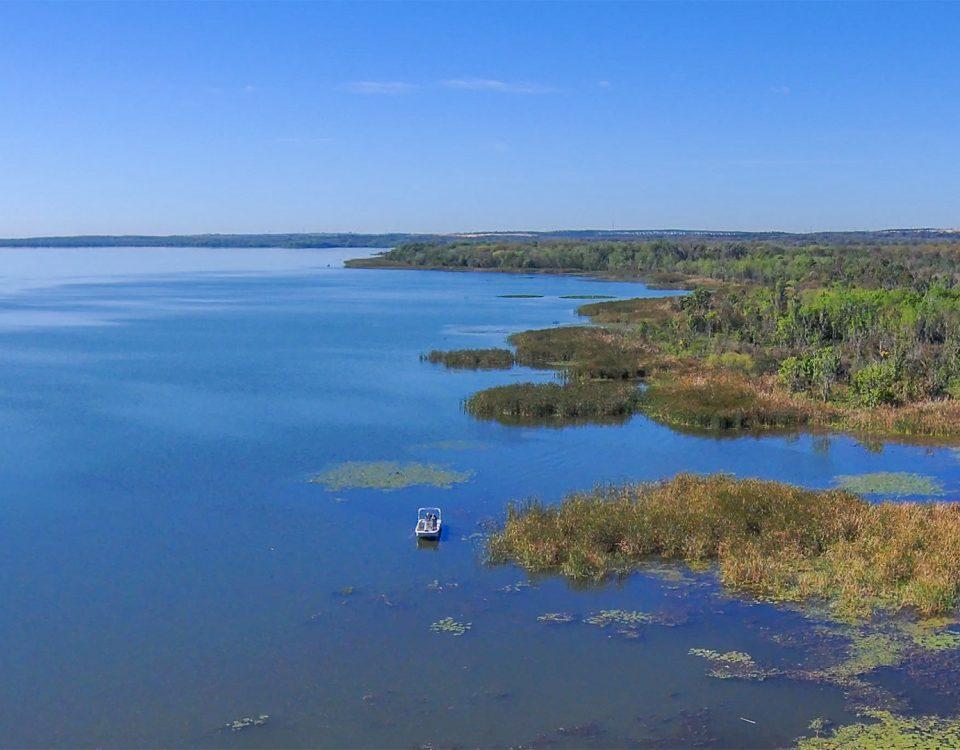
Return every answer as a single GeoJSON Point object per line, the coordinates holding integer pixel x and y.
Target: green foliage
{"type": "Point", "coordinates": [815, 372]}
{"type": "Point", "coordinates": [876, 384]}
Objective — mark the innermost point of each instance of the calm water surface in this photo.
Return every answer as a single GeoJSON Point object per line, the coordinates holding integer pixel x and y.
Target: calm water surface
{"type": "Point", "coordinates": [166, 567]}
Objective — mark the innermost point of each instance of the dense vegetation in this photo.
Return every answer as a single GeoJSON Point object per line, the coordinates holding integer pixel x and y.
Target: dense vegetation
{"type": "Point", "coordinates": [767, 538]}
{"type": "Point", "coordinates": [854, 336]}
{"type": "Point", "coordinates": [471, 359]}
{"type": "Point", "coordinates": [530, 403]}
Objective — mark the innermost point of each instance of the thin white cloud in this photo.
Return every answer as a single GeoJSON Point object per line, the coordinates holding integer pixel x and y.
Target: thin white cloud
{"type": "Point", "coordinates": [390, 88]}
{"type": "Point", "coordinates": [492, 84]}
{"type": "Point", "coordinates": [781, 90]}
{"type": "Point", "coordinates": [604, 84]}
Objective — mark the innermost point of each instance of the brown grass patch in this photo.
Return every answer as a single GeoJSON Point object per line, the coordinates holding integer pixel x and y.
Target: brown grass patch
{"type": "Point", "coordinates": [770, 539]}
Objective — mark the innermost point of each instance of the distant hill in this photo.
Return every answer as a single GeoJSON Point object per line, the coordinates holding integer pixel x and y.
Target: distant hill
{"type": "Point", "coordinates": [321, 240]}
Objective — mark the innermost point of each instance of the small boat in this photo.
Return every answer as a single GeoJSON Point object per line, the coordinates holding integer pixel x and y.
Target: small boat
{"type": "Point", "coordinates": [428, 523]}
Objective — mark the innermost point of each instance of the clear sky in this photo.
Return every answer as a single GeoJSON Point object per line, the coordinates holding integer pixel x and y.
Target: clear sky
{"type": "Point", "coordinates": [216, 117]}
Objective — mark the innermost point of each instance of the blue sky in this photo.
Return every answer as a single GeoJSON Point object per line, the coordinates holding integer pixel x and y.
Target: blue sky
{"type": "Point", "coordinates": [219, 117]}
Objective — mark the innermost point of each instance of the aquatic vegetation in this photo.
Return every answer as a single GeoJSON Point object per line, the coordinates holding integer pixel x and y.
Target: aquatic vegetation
{"type": "Point", "coordinates": [522, 403]}
{"type": "Point", "coordinates": [516, 588]}
{"type": "Point", "coordinates": [585, 352]}
{"type": "Point", "coordinates": [471, 359]}
{"type": "Point", "coordinates": [388, 475]}
{"type": "Point", "coordinates": [932, 634]}
{"type": "Point", "coordinates": [868, 652]}
{"type": "Point", "coordinates": [620, 617]}
{"type": "Point", "coordinates": [892, 483]}
{"type": "Point", "coordinates": [247, 722]}
{"type": "Point", "coordinates": [769, 539]}
{"type": "Point", "coordinates": [890, 731]}
{"type": "Point", "coordinates": [451, 626]}
{"type": "Point", "coordinates": [556, 618]}
{"type": "Point", "coordinates": [721, 400]}
{"type": "Point", "coordinates": [586, 296]}
{"type": "Point", "coordinates": [730, 664]}
{"type": "Point", "coordinates": [346, 591]}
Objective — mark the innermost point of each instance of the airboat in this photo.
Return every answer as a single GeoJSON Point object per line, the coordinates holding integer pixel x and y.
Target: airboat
{"type": "Point", "coordinates": [428, 523]}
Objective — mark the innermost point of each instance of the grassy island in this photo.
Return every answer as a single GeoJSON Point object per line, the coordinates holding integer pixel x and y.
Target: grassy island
{"type": "Point", "coordinates": [471, 359]}
{"type": "Point", "coordinates": [532, 403]}
{"type": "Point", "coordinates": [857, 336]}
{"type": "Point", "coordinates": [773, 540]}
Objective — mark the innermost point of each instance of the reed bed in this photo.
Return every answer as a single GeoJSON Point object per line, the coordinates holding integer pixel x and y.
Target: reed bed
{"type": "Point", "coordinates": [572, 401]}
{"type": "Point", "coordinates": [769, 539]}
{"type": "Point", "coordinates": [716, 399]}
{"type": "Point", "coordinates": [582, 351]}
{"type": "Point", "coordinates": [471, 359]}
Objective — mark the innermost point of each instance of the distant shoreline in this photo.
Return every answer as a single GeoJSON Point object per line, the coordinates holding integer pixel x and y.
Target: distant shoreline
{"type": "Point", "coordinates": [315, 240]}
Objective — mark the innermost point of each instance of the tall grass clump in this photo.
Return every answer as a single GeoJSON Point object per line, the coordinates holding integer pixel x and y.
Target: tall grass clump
{"type": "Point", "coordinates": [715, 399]}
{"type": "Point", "coordinates": [585, 352]}
{"type": "Point", "coordinates": [524, 402]}
{"type": "Point", "coordinates": [471, 359]}
{"type": "Point", "coordinates": [769, 539]}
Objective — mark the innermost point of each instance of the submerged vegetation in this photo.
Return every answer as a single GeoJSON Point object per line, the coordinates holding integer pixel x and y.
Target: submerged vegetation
{"type": "Point", "coordinates": [772, 540]}
{"type": "Point", "coordinates": [891, 483]}
{"type": "Point", "coordinates": [388, 475]}
{"type": "Point", "coordinates": [862, 337]}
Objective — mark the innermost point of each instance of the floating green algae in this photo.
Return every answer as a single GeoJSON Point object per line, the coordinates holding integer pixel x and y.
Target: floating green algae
{"type": "Point", "coordinates": [451, 626]}
{"type": "Point", "coordinates": [729, 664]}
{"type": "Point", "coordinates": [892, 483]}
{"type": "Point", "coordinates": [867, 653]}
{"type": "Point", "coordinates": [620, 617]}
{"type": "Point", "coordinates": [586, 296]}
{"type": "Point", "coordinates": [556, 618]}
{"type": "Point", "coordinates": [932, 634]}
{"type": "Point", "coordinates": [890, 731]}
{"type": "Point", "coordinates": [388, 475]}
{"type": "Point", "coordinates": [247, 722]}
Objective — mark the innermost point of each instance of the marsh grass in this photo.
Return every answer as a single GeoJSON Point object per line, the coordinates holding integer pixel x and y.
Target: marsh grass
{"type": "Point", "coordinates": [585, 352]}
{"type": "Point", "coordinates": [471, 359]}
{"type": "Point", "coordinates": [715, 399]}
{"type": "Point", "coordinates": [773, 540]}
{"type": "Point", "coordinates": [522, 403]}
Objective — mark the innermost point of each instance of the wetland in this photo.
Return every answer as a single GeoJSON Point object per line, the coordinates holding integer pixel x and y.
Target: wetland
{"type": "Point", "coordinates": [175, 578]}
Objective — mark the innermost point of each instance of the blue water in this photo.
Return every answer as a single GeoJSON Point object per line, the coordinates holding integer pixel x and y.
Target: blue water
{"type": "Point", "coordinates": [166, 567]}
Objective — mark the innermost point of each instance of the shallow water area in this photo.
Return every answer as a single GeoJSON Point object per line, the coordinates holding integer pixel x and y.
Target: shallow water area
{"type": "Point", "coordinates": [169, 569]}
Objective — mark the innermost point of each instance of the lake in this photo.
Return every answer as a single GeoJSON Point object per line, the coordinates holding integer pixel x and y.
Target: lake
{"type": "Point", "coordinates": [167, 567]}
